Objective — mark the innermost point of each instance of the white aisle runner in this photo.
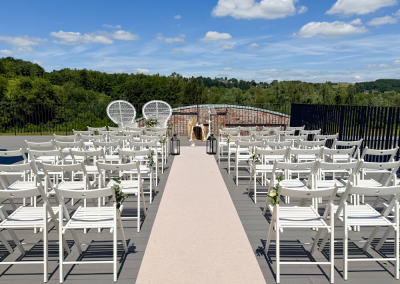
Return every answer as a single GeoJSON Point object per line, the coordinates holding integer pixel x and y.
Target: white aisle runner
{"type": "Point", "coordinates": [197, 236]}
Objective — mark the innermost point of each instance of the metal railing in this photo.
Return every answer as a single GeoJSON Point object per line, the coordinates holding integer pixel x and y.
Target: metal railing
{"type": "Point", "coordinates": [45, 119]}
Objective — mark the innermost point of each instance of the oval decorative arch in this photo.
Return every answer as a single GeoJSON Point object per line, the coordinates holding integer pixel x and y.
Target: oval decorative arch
{"type": "Point", "coordinates": [121, 112]}
{"type": "Point", "coordinates": [159, 110]}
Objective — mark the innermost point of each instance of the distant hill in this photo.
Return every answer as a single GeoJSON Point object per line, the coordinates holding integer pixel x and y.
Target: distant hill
{"type": "Point", "coordinates": [381, 85]}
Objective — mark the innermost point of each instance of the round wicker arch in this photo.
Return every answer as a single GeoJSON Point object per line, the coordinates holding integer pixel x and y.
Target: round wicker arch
{"type": "Point", "coordinates": [159, 110]}
{"type": "Point", "coordinates": [122, 113]}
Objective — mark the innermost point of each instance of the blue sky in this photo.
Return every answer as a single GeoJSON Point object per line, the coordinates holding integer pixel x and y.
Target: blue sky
{"type": "Point", "coordinates": [308, 40]}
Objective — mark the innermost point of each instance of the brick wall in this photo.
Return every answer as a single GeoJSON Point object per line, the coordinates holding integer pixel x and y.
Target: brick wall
{"type": "Point", "coordinates": [228, 116]}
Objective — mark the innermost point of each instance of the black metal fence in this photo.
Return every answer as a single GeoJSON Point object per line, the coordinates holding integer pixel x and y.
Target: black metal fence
{"type": "Point", "coordinates": [377, 126]}
{"type": "Point", "coordinates": [45, 119]}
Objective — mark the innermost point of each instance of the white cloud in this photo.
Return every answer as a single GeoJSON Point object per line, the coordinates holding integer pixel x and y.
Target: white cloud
{"type": "Point", "coordinates": [382, 21]}
{"type": "Point", "coordinates": [397, 14]}
{"type": "Point", "coordinates": [6, 52]}
{"type": "Point", "coordinates": [25, 49]}
{"type": "Point", "coordinates": [356, 22]}
{"type": "Point", "coordinates": [228, 46]}
{"type": "Point", "coordinates": [23, 42]}
{"type": "Point", "coordinates": [177, 17]}
{"type": "Point", "coordinates": [180, 38]}
{"type": "Point", "coordinates": [177, 51]}
{"type": "Point", "coordinates": [111, 26]}
{"type": "Point", "coordinates": [358, 77]}
{"type": "Point", "coordinates": [227, 69]}
{"type": "Point", "coordinates": [394, 64]}
{"type": "Point", "coordinates": [140, 71]}
{"type": "Point", "coordinates": [73, 38]}
{"type": "Point", "coordinates": [280, 73]}
{"type": "Point", "coordinates": [253, 46]}
{"type": "Point", "coordinates": [359, 7]}
{"type": "Point", "coordinates": [302, 9]}
{"type": "Point", "coordinates": [215, 36]}
{"type": "Point", "coordinates": [124, 35]}
{"type": "Point", "coordinates": [250, 9]}
{"type": "Point", "coordinates": [330, 30]}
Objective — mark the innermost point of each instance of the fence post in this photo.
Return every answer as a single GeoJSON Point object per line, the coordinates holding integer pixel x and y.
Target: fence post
{"type": "Point", "coordinates": [341, 122]}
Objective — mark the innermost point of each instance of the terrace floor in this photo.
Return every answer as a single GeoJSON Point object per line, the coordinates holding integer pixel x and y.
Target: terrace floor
{"type": "Point", "coordinates": [197, 205]}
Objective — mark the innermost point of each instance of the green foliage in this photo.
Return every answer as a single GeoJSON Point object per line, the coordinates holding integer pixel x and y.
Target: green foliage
{"type": "Point", "coordinates": [119, 195]}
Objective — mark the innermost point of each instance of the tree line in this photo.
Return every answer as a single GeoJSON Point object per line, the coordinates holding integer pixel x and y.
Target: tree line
{"type": "Point", "coordinates": [23, 82]}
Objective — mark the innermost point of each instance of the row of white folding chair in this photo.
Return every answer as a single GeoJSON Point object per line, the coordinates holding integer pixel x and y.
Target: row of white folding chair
{"type": "Point", "coordinates": [40, 218]}
{"type": "Point", "coordinates": [365, 215]}
{"type": "Point", "coordinates": [349, 215]}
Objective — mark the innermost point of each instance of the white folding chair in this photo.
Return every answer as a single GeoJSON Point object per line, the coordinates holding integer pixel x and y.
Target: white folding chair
{"type": "Point", "coordinates": [142, 157]}
{"type": "Point", "coordinates": [311, 144]}
{"type": "Point", "coordinates": [346, 145]}
{"type": "Point", "coordinates": [301, 218]}
{"type": "Point", "coordinates": [13, 155]}
{"type": "Point", "coordinates": [93, 218]}
{"type": "Point", "coordinates": [110, 150]}
{"type": "Point", "coordinates": [40, 146]}
{"type": "Point", "coordinates": [130, 186]}
{"type": "Point", "coordinates": [90, 157]}
{"type": "Point", "coordinates": [283, 134]}
{"type": "Point", "coordinates": [265, 156]}
{"type": "Point", "coordinates": [65, 138]}
{"type": "Point", "coordinates": [28, 217]}
{"type": "Point", "coordinates": [66, 146]}
{"type": "Point", "coordinates": [244, 149]}
{"type": "Point", "coordinates": [304, 155]}
{"type": "Point", "coordinates": [379, 156]}
{"type": "Point", "coordinates": [364, 215]}
{"type": "Point", "coordinates": [310, 133]}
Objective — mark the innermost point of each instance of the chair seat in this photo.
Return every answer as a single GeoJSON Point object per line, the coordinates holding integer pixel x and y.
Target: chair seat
{"type": "Point", "coordinates": [364, 215]}
{"type": "Point", "coordinates": [26, 217]}
{"type": "Point", "coordinates": [329, 184]}
{"type": "Point", "coordinates": [128, 186]}
{"type": "Point", "coordinates": [22, 185]}
{"type": "Point", "coordinates": [366, 183]}
{"type": "Point", "coordinates": [91, 217]}
{"type": "Point", "coordinates": [110, 158]}
{"type": "Point", "coordinates": [305, 217]}
{"type": "Point", "coordinates": [306, 157]}
{"type": "Point", "coordinates": [143, 170]}
{"type": "Point", "coordinates": [291, 183]}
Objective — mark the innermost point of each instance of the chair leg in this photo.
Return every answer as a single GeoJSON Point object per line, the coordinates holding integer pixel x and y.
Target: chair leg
{"type": "Point", "coordinates": [345, 243]}
{"type": "Point", "coordinates": [278, 257]}
{"type": "Point", "coordinates": [3, 240]}
{"type": "Point", "coordinates": [332, 246]}
{"type": "Point", "coordinates": [317, 237]}
{"type": "Point", "coordinates": [397, 246]}
{"type": "Point", "coordinates": [270, 230]}
{"type": "Point", "coordinates": [115, 243]}
{"type": "Point", "coordinates": [384, 237]}
{"type": "Point", "coordinates": [45, 245]}
{"type": "Point", "coordinates": [371, 238]}
{"type": "Point", "coordinates": [60, 246]}
{"type": "Point", "coordinates": [138, 212]}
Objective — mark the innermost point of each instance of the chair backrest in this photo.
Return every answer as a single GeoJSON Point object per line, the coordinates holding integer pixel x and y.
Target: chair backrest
{"type": "Point", "coordinates": [295, 128]}
{"type": "Point", "coordinates": [341, 152]}
{"type": "Point", "coordinates": [245, 138]}
{"type": "Point", "coordinates": [310, 132]}
{"type": "Point", "coordinates": [62, 145]}
{"type": "Point", "coordinates": [306, 194]}
{"type": "Point", "coordinates": [132, 133]}
{"type": "Point", "coordinates": [289, 132]}
{"type": "Point", "coordinates": [87, 154]}
{"type": "Point", "coordinates": [18, 167]}
{"type": "Point", "coordinates": [65, 138]}
{"type": "Point", "coordinates": [57, 154]}
{"type": "Point", "coordinates": [393, 166]}
{"type": "Point", "coordinates": [66, 168]}
{"type": "Point", "coordinates": [110, 128]}
{"type": "Point", "coordinates": [104, 169]}
{"type": "Point", "coordinates": [311, 144]}
{"type": "Point", "coordinates": [85, 194]}
{"type": "Point", "coordinates": [87, 132]}
{"type": "Point", "coordinates": [380, 155]}
{"type": "Point", "coordinates": [105, 132]}
{"type": "Point", "coordinates": [275, 144]}
{"type": "Point", "coordinates": [352, 167]}
{"type": "Point", "coordinates": [133, 153]}
{"type": "Point", "coordinates": [315, 151]}
{"type": "Point", "coordinates": [120, 138]}
{"type": "Point", "coordinates": [294, 166]}
{"type": "Point", "coordinates": [159, 110]}
{"type": "Point", "coordinates": [347, 144]}
{"type": "Point", "coordinates": [265, 138]}
{"type": "Point", "coordinates": [14, 153]}
{"type": "Point", "coordinates": [104, 128]}
{"type": "Point", "coordinates": [107, 146]}
{"type": "Point", "coordinates": [148, 138]}
{"type": "Point", "coordinates": [30, 145]}
{"type": "Point", "coordinates": [326, 137]}
{"type": "Point", "coordinates": [155, 133]}
{"type": "Point", "coordinates": [270, 152]}
{"type": "Point", "coordinates": [91, 137]}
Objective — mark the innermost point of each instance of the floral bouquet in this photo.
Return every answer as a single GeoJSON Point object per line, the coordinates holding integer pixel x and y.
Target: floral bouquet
{"type": "Point", "coordinates": [150, 159]}
{"type": "Point", "coordinates": [119, 195]}
{"type": "Point", "coordinates": [163, 140]}
{"type": "Point", "coordinates": [274, 193]}
{"type": "Point", "coordinates": [152, 122]}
